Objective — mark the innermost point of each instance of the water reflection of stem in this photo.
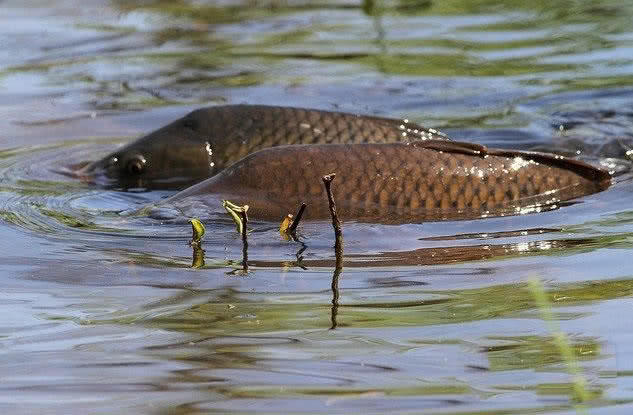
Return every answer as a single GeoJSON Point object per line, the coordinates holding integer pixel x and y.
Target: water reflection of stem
{"type": "Point", "coordinates": [581, 394]}
{"type": "Point", "coordinates": [299, 255]}
{"type": "Point", "coordinates": [198, 257]}
{"type": "Point", "coordinates": [338, 249]}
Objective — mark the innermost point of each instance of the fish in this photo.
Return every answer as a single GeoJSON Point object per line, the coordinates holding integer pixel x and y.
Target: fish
{"type": "Point", "coordinates": [417, 181]}
{"type": "Point", "coordinates": [207, 140]}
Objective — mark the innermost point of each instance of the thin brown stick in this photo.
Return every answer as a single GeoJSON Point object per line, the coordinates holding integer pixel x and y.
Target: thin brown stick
{"type": "Point", "coordinates": [336, 223]}
{"type": "Point", "coordinates": [293, 227]}
{"type": "Point", "coordinates": [338, 248]}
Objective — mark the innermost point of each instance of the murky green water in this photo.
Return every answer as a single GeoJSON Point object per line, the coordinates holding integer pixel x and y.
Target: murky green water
{"type": "Point", "coordinates": [104, 314]}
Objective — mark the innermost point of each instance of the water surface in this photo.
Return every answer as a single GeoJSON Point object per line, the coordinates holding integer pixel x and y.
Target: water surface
{"type": "Point", "coordinates": [104, 313]}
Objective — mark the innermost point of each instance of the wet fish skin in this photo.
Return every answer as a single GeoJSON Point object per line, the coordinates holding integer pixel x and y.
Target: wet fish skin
{"type": "Point", "coordinates": [207, 140]}
{"type": "Point", "coordinates": [399, 182]}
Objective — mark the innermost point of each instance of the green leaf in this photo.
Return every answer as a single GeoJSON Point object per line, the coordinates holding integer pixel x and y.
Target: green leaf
{"type": "Point", "coordinates": [198, 231]}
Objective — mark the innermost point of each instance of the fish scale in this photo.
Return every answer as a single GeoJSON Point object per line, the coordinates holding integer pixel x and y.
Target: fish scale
{"type": "Point", "coordinates": [301, 126]}
{"type": "Point", "coordinates": [431, 180]}
{"type": "Point", "coordinates": [257, 154]}
{"type": "Point", "coordinates": [205, 141]}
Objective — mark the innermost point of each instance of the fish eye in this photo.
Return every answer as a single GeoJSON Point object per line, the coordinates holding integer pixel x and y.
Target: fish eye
{"type": "Point", "coordinates": [136, 165]}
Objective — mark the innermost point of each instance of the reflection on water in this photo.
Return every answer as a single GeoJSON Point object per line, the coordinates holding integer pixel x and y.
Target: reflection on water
{"type": "Point", "coordinates": [104, 312]}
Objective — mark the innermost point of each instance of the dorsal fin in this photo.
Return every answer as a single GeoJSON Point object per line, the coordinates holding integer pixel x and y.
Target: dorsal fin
{"type": "Point", "coordinates": [579, 167]}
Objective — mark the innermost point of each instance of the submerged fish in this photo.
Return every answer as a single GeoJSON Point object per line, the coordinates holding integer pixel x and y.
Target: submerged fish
{"type": "Point", "coordinates": [398, 182]}
{"type": "Point", "coordinates": [207, 140]}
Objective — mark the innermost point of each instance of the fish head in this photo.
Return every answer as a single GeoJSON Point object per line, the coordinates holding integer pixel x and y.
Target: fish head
{"type": "Point", "coordinates": [174, 156]}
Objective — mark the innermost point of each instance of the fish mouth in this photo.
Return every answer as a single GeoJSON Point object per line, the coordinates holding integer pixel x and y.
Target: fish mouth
{"type": "Point", "coordinates": [79, 170]}
{"type": "Point", "coordinates": [88, 172]}
{"type": "Point", "coordinates": [95, 174]}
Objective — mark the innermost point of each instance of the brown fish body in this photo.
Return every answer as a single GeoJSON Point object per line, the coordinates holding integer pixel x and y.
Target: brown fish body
{"type": "Point", "coordinates": [399, 182]}
{"type": "Point", "coordinates": [257, 157]}
{"type": "Point", "coordinates": [207, 140]}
